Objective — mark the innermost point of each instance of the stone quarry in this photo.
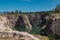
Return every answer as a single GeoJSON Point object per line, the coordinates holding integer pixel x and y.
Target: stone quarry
{"type": "Point", "coordinates": [8, 23]}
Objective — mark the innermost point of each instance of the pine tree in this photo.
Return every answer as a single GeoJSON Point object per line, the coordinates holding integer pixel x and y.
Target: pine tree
{"type": "Point", "coordinates": [57, 9]}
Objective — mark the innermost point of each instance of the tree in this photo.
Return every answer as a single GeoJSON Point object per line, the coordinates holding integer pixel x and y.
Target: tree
{"type": "Point", "coordinates": [20, 12]}
{"type": "Point", "coordinates": [57, 9]}
{"type": "Point", "coordinates": [11, 12]}
{"type": "Point", "coordinates": [16, 12]}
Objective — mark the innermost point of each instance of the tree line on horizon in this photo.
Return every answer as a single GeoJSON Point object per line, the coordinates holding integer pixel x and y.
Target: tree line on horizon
{"type": "Point", "coordinates": [56, 10]}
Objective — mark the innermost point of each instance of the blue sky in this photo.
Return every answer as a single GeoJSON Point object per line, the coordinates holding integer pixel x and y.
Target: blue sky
{"type": "Point", "coordinates": [28, 5]}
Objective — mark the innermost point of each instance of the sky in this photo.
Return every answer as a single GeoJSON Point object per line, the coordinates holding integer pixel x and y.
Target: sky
{"type": "Point", "coordinates": [28, 5]}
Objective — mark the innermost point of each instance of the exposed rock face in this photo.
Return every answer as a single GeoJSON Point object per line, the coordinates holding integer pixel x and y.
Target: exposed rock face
{"type": "Point", "coordinates": [35, 19]}
{"type": "Point", "coordinates": [12, 21]}
{"type": "Point", "coordinates": [27, 22]}
{"type": "Point", "coordinates": [8, 23]}
{"type": "Point", "coordinates": [52, 26]}
{"type": "Point", "coordinates": [31, 20]}
{"type": "Point", "coordinates": [17, 35]}
{"type": "Point", "coordinates": [56, 26]}
{"type": "Point", "coordinates": [4, 24]}
{"type": "Point", "coordinates": [7, 29]}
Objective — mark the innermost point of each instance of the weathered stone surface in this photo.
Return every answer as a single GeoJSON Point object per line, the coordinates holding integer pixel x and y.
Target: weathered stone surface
{"type": "Point", "coordinates": [7, 23]}
{"type": "Point", "coordinates": [6, 28]}
{"type": "Point", "coordinates": [56, 26]}
{"type": "Point", "coordinates": [17, 35]}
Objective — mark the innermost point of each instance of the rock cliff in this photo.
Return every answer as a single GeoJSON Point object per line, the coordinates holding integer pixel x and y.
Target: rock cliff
{"type": "Point", "coordinates": [7, 28]}
{"type": "Point", "coordinates": [47, 23]}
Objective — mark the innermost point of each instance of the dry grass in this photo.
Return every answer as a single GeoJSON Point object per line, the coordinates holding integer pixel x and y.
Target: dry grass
{"type": "Point", "coordinates": [40, 37]}
{"type": "Point", "coordinates": [56, 14]}
{"type": "Point", "coordinates": [8, 38]}
{"type": "Point", "coordinates": [44, 38]}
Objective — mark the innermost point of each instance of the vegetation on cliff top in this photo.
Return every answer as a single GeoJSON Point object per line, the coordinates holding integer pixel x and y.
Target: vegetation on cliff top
{"type": "Point", "coordinates": [53, 11]}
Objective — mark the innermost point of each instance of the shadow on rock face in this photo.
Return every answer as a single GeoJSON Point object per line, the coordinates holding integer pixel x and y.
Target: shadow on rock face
{"type": "Point", "coordinates": [20, 24]}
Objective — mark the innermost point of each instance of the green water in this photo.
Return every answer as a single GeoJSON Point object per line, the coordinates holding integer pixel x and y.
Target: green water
{"type": "Point", "coordinates": [20, 28]}
{"type": "Point", "coordinates": [34, 30]}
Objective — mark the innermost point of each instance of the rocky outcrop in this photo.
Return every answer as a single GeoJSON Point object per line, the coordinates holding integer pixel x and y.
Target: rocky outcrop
{"type": "Point", "coordinates": [7, 29]}
{"type": "Point", "coordinates": [37, 19]}
{"type": "Point", "coordinates": [52, 26]}
{"type": "Point", "coordinates": [17, 35]}
{"type": "Point", "coordinates": [24, 20]}
{"type": "Point", "coordinates": [4, 24]}
{"type": "Point", "coordinates": [43, 21]}
{"type": "Point", "coordinates": [31, 20]}
{"type": "Point", "coordinates": [27, 22]}
{"type": "Point", "coordinates": [56, 26]}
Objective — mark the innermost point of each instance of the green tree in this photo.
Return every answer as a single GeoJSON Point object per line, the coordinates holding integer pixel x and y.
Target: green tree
{"type": "Point", "coordinates": [16, 12]}
{"type": "Point", "coordinates": [11, 12]}
{"type": "Point", "coordinates": [57, 9]}
{"type": "Point", "coordinates": [20, 12]}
